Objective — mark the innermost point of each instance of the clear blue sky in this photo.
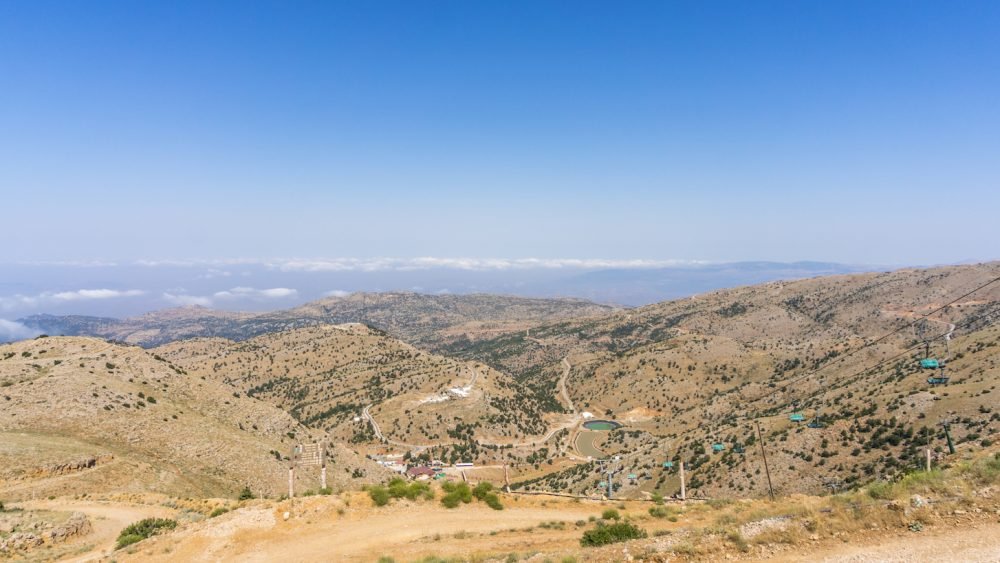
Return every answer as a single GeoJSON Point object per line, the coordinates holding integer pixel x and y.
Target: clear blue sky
{"type": "Point", "coordinates": [865, 132]}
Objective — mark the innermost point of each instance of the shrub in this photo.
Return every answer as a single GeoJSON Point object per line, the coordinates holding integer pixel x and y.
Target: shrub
{"type": "Point", "coordinates": [610, 514]}
{"type": "Point", "coordinates": [481, 490]}
{"type": "Point", "coordinates": [456, 493]}
{"type": "Point", "coordinates": [218, 512]}
{"type": "Point", "coordinates": [143, 529]}
{"type": "Point", "coordinates": [380, 495]}
{"type": "Point", "coordinates": [246, 494]}
{"type": "Point", "coordinates": [493, 501]}
{"type": "Point", "coordinates": [659, 512]}
{"type": "Point", "coordinates": [399, 488]}
{"type": "Point", "coordinates": [612, 533]}
{"type": "Point", "coordinates": [451, 500]}
{"type": "Point", "coordinates": [325, 491]}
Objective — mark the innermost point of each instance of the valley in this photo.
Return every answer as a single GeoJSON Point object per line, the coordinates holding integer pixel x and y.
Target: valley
{"type": "Point", "coordinates": [822, 376]}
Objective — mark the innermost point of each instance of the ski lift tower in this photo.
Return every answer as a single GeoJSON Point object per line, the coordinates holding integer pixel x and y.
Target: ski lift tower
{"type": "Point", "coordinates": [610, 467]}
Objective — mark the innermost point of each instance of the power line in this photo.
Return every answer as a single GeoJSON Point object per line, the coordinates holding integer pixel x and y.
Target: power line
{"type": "Point", "coordinates": [908, 350]}
{"type": "Point", "coordinates": [883, 337]}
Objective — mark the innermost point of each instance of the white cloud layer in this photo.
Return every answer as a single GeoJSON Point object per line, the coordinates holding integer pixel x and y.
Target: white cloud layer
{"type": "Point", "coordinates": [230, 295]}
{"type": "Point", "coordinates": [54, 297]}
{"type": "Point", "coordinates": [423, 263]}
{"type": "Point", "coordinates": [481, 264]}
{"type": "Point", "coordinates": [11, 331]}
{"type": "Point", "coordinates": [187, 300]}
{"type": "Point", "coordinates": [89, 294]}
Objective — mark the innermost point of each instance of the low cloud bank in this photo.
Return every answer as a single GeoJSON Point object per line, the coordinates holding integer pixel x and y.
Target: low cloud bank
{"type": "Point", "coordinates": [56, 297]}
{"type": "Point", "coordinates": [12, 330]}
{"type": "Point", "coordinates": [421, 263]}
{"type": "Point", "coordinates": [231, 295]}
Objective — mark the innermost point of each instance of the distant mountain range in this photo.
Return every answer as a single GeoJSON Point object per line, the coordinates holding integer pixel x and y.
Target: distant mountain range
{"type": "Point", "coordinates": [417, 318]}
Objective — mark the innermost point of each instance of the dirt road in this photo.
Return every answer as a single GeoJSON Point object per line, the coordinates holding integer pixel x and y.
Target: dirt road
{"type": "Point", "coordinates": [107, 521]}
{"type": "Point", "coordinates": [405, 531]}
{"type": "Point", "coordinates": [562, 385]}
{"type": "Point", "coordinates": [981, 544]}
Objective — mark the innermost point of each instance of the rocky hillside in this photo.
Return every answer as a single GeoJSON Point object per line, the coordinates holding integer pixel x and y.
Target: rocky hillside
{"type": "Point", "coordinates": [334, 377]}
{"type": "Point", "coordinates": [80, 415]}
{"type": "Point", "coordinates": [689, 374]}
{"type": "Point", "coordinates": [428, 321]}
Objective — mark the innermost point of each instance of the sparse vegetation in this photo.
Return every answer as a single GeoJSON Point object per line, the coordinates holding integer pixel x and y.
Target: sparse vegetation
{"type": "Point", "coordinates": [611, 533]}
{"type": "Point", "coordinates": [143, 529]}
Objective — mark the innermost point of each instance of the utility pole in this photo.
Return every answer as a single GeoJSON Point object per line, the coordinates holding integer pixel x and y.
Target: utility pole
{"type": "Point", "coordinates": [767, 471]}
{"type": "Point", "coordinates": [683, 491]}
{"type": "Point", "coordinates": [928, 450]}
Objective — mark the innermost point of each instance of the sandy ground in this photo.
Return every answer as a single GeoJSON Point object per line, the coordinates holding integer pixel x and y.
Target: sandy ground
{"type": "Point", "coordinates": [405, 531]}
{"type": "Point", "coordinates": [980, 543]}
{"type": "Point", "coordinates": [106, 519]}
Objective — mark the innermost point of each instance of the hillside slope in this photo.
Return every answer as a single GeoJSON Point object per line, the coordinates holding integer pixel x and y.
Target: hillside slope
{"type": "Point", "coordinates": [688, 374]}
{"type": "Point", "coordinates": [336, 377]}
{"type": "Point", "coordinates": [82, 415]}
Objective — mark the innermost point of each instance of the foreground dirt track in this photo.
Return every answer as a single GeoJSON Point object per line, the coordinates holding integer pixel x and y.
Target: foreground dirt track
{"type": "Point", "coordinates": [405, 531]}
{"type": "Point", "coordinates": [107, 519]}
{"type": "Point", "coordinates": [948, 544]}
{"type": "Point", "coordinates": [349, 528]}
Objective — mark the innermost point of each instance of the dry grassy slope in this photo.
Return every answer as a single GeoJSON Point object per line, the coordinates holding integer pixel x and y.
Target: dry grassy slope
{"type": "Point", "coordinates": [426, 320]}
{"type": "Point", "coordinates": [326, 375]}
{"type": "Point", "coordinates": [146, 424]}
{"type": "Point", "coordinates": [687, 373]}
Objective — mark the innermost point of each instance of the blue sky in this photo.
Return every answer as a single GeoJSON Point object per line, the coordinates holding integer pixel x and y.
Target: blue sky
{"type": "Point", "coordinates": [858, 132]}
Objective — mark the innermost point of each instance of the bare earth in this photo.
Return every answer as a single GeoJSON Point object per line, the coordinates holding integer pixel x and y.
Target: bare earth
{"type": "Point", "coordinates": [979, 544]}
{"type": "Point", "coordinates": [107, 521]}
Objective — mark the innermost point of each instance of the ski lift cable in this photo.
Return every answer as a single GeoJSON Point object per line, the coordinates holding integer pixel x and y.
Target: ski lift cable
{"type": "Point", "coordinates": [906, 352]}
{"type": "Point", "coordinates": [887, 335]}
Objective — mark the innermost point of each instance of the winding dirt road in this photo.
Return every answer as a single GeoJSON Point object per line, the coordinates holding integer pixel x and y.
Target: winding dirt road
{"type": "Point", "coordinates": [562, 385]}
{"type": "Point", "coordinates": [107, 520]}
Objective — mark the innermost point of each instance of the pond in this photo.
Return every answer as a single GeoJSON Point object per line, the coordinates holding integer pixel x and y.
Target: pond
{"type": "Point", "coordinates": [601, 425]}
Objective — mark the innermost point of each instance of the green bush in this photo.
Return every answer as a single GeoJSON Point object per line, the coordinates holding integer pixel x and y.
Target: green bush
{"type": "Point", "coordinates": [456, 493]}
{"type": "Point", "coordinates": [610, 514]}
{"type": "Point", "coordinates": [125, 540]}
{"type": "Point", "coordinates": [611, 533]}
{"type": "Point", "coordinates": [481, 490]}
{"type": "Point", "coordinates": [493, 501]}
{"type": "Point", "coordinates": [218, 512]}
{"type": "Point", "coordinates": [246, 494]}
{"type": "Point", "coordinates": [451, 500]}
{"type": "Point", "coordinates": [399, 488]}
{"type": "Point", "coordinates": [659, 512]}
{"type": "Point", "coordinates": [380, 495]}
{"type": "Point", "coordinates": [143, 529]}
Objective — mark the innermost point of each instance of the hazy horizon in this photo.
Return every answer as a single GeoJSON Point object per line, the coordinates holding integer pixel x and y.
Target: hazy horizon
{"type": "Point", "coordinates": [498, 147]}
{"type": "Point", "coordinates": [109, 289]}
